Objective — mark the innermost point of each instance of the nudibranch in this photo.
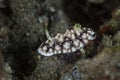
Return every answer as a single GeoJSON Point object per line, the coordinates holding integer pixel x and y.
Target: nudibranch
{"type": "Point", "coordinates": [71, 41]}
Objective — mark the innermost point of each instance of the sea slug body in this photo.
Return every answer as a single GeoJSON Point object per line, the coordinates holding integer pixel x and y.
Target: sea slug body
{"type": "Point", "coordinates": [70, 41]}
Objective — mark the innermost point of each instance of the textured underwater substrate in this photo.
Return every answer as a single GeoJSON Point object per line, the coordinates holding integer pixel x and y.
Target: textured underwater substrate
{"type": "Point", "coordinates": [22, 31]}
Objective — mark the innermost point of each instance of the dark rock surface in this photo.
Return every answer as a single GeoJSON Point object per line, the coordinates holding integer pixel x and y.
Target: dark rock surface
{"type": "Point", "coordinates": [22, 30]}
{"type": "Point", "coordinates": [5, 70]}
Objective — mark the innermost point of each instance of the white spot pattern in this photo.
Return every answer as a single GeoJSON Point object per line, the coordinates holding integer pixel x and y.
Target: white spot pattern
{"type": "Point", "coordinates": [69, 42]}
